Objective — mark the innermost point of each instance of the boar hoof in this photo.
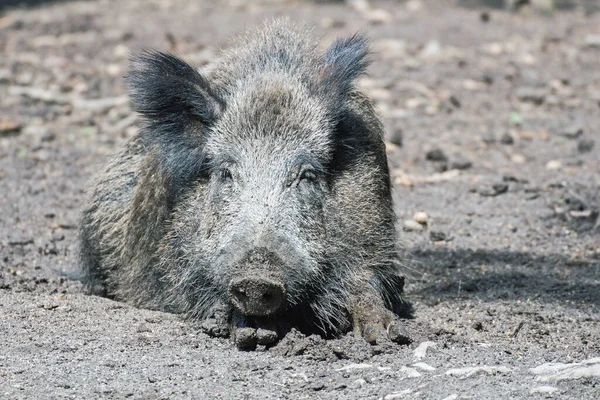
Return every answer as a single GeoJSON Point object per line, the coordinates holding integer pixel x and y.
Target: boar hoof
{"type": "Point", "coordinates": [266, 336]}
{"type": "Point", "coordinates": [218, 324]}
{"type": "Point", "coordinates": [213, 328]}
{"type": "Point", "coordinates": [375, 323]}
{"type": "Point", "coordinates": [397, 333]}
{"type": "Point", "coordinates": [245, 338]}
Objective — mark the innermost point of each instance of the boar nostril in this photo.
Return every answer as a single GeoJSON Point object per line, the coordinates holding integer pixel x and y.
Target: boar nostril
{"type": "Point", "coordinates": [257, 296]}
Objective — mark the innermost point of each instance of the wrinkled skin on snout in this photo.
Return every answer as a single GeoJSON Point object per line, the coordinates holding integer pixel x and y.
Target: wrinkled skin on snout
{"type": "Point", "coordinates": [255, 199]}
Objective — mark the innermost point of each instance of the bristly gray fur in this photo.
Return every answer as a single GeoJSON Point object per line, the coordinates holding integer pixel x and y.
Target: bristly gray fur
{"type": "Point", "coordinates": [275, 151]}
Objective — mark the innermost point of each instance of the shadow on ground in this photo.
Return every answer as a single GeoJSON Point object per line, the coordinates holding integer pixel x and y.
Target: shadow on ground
{"type": "Point", "coordinates": [7, 4]}
{"type": "Point", "coordinates": [504, 275]}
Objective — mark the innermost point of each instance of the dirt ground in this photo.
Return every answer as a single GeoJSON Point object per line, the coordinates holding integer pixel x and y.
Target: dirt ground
{"type": "Point", "coordinates": [492, 120]}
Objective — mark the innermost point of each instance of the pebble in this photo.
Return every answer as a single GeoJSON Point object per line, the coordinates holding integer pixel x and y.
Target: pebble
{"type": "Point", "coordinates": [585, 145]}
{"type": "Point", "coordinates": [592, 41]}
{"type": "Point", "coordinates": [20, 240]}
{"type": "Point", "coordinates": [397, 395]}
{"type": "Point", "coordinates": [143, 328]}
{"type": "Point", "coordinates": [531, 95]}
{"type": "Point", "coordinates": [507, 139]}
{"type": "Point", "coordinates": [421, 217]}
{"type": "Point", "coordinates": [358, 383]}
{"type": "Point", "coordinates": [48, 137]}
{"type": "Point", "coordinates": [436, 155]}
{"type": "Point", "coordinates": [9, 127]}
{"type": "Point", "coordinates": [351, 367]}
{"type": "Point", "coordinates": [421, 350]}
{"type": "Point", "coordinates": [379, 16]}
{"type": "Point", "coordinates": [437, 236]}
{"type": "Point", "coordinates": [553, 165]}
{"type": "Point", "coordinates": [409, 372]}
{"type": "Point", "coordinates": [572, 131]}
{"type": "Point", "coordinates": [424, 366]}
{"type": "Point", "coordinates": [396, 137]}
{"type": "Point", "coordinates": [543, 390]}
{"type": "Point", "coordinates": [518, 159]}
{"type": "Point", "coordinates": [495, 190]}
{"type": "Point", "coordinates": [412, 226]}
{"type": "Point", "coordinates": [57, 237]}
{"type": "Point", "coordinates": [461, 164]}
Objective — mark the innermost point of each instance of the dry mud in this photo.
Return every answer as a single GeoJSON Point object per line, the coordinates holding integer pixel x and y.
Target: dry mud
{"type": "Point", "coordinates": [492, 120]}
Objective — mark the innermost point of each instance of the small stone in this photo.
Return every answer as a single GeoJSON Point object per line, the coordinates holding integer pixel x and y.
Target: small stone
{"type": "Point", "coordinates": [409, 372]}
{"type": "Point", "coordinates": [572, 131]}
{"type": "Point", "coordinates": [592, 41]}
{"type": "Point", "coordinates": [488, 138]}
{"type": "Point", "coordinates": [518, 159]}
{"type": "Point", "coordinates": [142, 328]}
{"type": "Point", "coordinates": [493, 190]}
{"type": "Point", "coordinates": [478, 326]}
{"type": "Point", "coordinates": [9, 127]}
{"type": "Point", "coordinates": [423, 366]}
{"type": "Point", "coordinates": [461, 164]}
{"type": "Point", "coordinates": [398, 334]}
{"type": "Point", "coordinates": [437, 236]}
{"type": "Point", "coordinates": [48, 137]}
{"type": "Point", "coordinates": [396, 137]}
{"type": "Point", "coordinates": [330, 23]}
{"type": "Point", "coordinates": [436, 155]}
{"type": "Point", "coordinates": [484, 16]}
{"type": "Point", "coordinates": [440, 167]}
{"type": "Point", "coordinates": [421, 350]}
{"type": "Point", "coordinates": [484, 369]}
{"type": "Point", "coordinates": [454, 101]}
{"type": "Point", "coordinates": [412, 226]}
{"type": "Point", "coordinates": [531, 95]}
{"type": "Point", "coordinates": [379, 16]}
{"type": "Point", "coordinates": [507, 139]}
{"type": "Point", "coordinates": [421, 217]}
{"type": "Point", "coordinates": [585, 145]}
{"type": "Point", "coordinates": [543, 390]}
{"type": "Point", "coordinates": [20, 240]}
{"type": "Point", "coordinates": [553, 165]}
{"type": "Point", "coordinates": [57, 237]}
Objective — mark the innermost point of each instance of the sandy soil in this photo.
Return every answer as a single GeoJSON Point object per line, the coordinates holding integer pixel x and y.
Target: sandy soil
{"type": "Point", "coordinates": [492, 120]}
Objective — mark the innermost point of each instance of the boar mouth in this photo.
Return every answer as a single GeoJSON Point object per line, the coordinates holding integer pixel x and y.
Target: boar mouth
{"type": "Point", "coordinates": [257, 296]}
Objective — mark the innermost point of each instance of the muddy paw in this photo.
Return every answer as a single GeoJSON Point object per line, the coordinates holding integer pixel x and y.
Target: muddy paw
{"type": "Point", "coordinates": [378, 331]}
{"type": "Point", "coordinates": [376, 324]}
{"type": "Point", "coordinates": [247, 334]}
{"type": "Point", "coordinates": [218, 324]}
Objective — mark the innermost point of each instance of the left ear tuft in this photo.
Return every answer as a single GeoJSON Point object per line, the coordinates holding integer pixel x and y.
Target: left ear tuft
{"type": "Point", "coordinates": [346, 60]}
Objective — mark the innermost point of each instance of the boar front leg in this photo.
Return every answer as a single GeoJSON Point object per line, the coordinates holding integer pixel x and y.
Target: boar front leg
{"type": "Point", "coordinates": [372, 320]}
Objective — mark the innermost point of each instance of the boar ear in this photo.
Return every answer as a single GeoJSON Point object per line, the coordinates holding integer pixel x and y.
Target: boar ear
{"type": "Point", "coordinates": [346, 59]}
{"type": "Point", "coordinates": [166, 90]}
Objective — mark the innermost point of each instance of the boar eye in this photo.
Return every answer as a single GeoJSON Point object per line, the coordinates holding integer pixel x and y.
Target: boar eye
{"type": "Point", "coordinates": [308, 175]}
{"type": "Point", "coordinates": [225, 175]}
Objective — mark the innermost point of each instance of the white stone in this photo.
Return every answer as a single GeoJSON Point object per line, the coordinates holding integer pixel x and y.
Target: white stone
{"type": "Point", "coordinates": [424, 366]}
{"type": "Point", "coordinates": [470, 371]}
{"type": "Point", "coordinates": [350, 367]}
{"type": "Point", "coordinates": [421, 350]}
{"type": "Point", "coordinates": [559, 371]}
{"type": "Point", "coordinates": [409, 372]}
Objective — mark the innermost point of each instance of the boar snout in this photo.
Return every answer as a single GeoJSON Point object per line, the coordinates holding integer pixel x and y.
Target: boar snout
{"type": "Point", "coordinates": [256, 296]}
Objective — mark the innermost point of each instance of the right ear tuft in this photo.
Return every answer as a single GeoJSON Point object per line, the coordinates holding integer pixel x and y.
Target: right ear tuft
{"type": "Point", "coordinates": [164, 89]}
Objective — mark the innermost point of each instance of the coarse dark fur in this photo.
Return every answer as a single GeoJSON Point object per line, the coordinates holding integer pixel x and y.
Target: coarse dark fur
{"type": "Point", "coordinates": [272, 164]}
